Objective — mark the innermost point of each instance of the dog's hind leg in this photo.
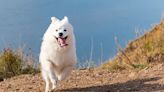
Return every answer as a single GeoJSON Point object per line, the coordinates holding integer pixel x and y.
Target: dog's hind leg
{"type": "Point", "coordinates": [65, 73]}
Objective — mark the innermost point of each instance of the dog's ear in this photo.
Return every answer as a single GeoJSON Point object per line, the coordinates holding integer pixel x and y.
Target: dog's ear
{"type": "Point", "coordinates": [54, 19]}
{"type": "Point", "coordinates": [65, 20]}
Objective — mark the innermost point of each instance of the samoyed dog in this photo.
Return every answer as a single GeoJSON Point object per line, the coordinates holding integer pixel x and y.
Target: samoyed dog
{"type": "Point", "coordinates": [58, 52]}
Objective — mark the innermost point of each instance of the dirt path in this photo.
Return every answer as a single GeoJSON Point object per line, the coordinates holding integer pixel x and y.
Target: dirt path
{"type": "Point", "coordinates": [92, 80]}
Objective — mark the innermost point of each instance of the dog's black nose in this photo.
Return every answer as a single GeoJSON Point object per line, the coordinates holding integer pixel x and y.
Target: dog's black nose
{"type": "Point", "coordinates": [60, 34]}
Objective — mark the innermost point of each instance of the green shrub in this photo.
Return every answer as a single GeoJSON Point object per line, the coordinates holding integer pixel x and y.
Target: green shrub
{"type": "Point", "coordinates": [139, 66]}
{"type": "Point", "coordinates": [13, 63]}
{"type": "Point", "coordinates": [10, 63]}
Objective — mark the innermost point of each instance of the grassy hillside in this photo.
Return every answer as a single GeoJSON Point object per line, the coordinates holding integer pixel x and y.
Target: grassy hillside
{"type": "Point", "coordinates": [140, 53]}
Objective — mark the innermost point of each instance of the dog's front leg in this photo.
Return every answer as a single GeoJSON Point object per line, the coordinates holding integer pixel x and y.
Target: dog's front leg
{"type": "Point", "coordinates": [52, 76]}
{"type": "Point", "coordinates": [46, 79]}
{"type": "Point", "coordinates": [49, 76]}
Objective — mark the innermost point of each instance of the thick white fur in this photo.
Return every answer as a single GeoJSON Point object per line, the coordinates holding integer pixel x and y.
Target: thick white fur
{"type": "Point", "coordinates": [57, 62]}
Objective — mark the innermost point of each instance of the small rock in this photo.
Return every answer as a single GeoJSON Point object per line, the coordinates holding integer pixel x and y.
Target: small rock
{"type": "Point", "coordinates": [77, 78]}
{"type": "Point", "coordinates": [132, 74]}
{"type": "Point", "coordinates": [29, 87]}
{"type": "Point", "coordinates": [17, 89]}
{"type": "Point", "coordinates": [9, 86]}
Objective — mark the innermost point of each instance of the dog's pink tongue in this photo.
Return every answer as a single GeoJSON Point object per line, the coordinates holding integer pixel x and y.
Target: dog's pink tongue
{"type": "Point", "coordinates": [62, 42]}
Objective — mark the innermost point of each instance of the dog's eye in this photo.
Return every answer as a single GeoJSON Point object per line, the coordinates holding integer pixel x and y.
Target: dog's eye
{"type": "Point", "coordinates": [65, 30]}
{"type": "Point", "coordinates": [56, 30]}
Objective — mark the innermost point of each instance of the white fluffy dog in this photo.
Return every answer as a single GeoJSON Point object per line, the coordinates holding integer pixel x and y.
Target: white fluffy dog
{"type": "Point", "coordinates": [58, 52]}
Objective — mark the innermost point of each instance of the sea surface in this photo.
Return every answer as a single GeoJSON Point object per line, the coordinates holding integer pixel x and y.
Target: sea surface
{"type": "Point", "coordinates": [96, 23]}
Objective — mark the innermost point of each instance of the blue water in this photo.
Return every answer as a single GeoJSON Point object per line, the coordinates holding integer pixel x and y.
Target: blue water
{"type": "Point", "coordinates": [96, 23]}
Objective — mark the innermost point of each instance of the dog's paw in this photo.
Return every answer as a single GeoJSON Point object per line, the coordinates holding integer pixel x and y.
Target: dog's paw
{"type": "Point", "coordinates": [54, 87]}
{"type": "Point", "coordinates": [53, 90]}
{"type": "Point", "coordinates": [48, 91]}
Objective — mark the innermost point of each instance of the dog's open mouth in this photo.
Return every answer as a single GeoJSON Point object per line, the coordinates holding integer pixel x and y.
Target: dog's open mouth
{"type": "Point", "coordinates": [62, 41]}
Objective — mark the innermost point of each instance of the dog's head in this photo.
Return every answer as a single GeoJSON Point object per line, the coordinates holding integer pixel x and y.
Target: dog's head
{"type": "Point", "coordinates": [61, 31]}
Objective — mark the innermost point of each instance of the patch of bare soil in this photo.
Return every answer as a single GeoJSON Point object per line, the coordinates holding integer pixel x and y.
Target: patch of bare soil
{"type": "Point", "coordinates": [93, 80]}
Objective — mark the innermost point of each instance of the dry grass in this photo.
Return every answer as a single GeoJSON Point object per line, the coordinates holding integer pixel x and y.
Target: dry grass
{"type": "Point", "coordinates": [13, 63]}
{"type": "Point", "coordinates": [142, 52]}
